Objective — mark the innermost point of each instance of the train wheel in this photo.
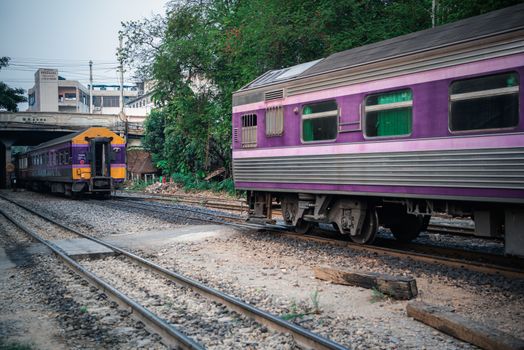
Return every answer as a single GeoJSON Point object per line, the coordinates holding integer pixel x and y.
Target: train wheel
{"type": "Point", "coordinates": [369, 229]}
{"type": "Point", "coordinates": [425, 223]}
{"type": "Point", "coordinates": [408, 228]}
{"type": "Point", "coordinates": [303, 227]}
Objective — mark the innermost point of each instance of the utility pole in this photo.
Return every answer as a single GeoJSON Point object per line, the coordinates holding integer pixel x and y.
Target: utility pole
{"type": "Point", "coordinates": [122, 114]}
{"type": "Point", "coordinates": [433, 8]}
{"type": "Point", "coordinates": [121, 76]}
{"type": "Point", "coordinates": [90, 87]}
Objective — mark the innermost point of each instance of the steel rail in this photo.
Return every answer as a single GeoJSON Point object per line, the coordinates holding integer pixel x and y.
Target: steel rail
{"type": "Point", "coordinates": [301, 335]}
{"type": "Point", "coordinates": [215, 203]}
{"type": "Point", "coordinates": [427, 258]}
{"type": "Point", "coordinates": [488, 268]}
{"type": "Point", "coordinates": [144, 200]}
{"type": "Point", "coordinates": [454, 230]}
{"type": "Point", "coordinates": [170, 335]}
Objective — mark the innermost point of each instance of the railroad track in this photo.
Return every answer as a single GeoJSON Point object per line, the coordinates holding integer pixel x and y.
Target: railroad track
{"type": "Point", "coordinates": [171, 335]}
{"type": "Point", "coordinates": [242, 207]}
{"type": "Point", "coordinates": [211, 202]}
{"type": "Point", "coordinates": [452, 257]}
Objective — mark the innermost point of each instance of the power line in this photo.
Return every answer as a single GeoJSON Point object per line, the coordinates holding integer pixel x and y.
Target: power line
{"type": "Point", "coordinates": [60, 60]}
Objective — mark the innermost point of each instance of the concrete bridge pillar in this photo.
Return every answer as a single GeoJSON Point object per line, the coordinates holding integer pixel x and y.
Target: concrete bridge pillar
{"type": "Point", "coordinates": [5, 162]}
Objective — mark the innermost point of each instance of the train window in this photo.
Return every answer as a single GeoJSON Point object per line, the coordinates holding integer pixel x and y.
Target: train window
{"type": "Point", "coordinates": [489, 102]}
{"type": "Point", "coordinates": [249, 130]}
{"type": "Point", "coordinates": [388, 114]}
{"type": "Point", "coordinates": [274, 121]}
{"type": "Point", "coordinates": [320, 121]}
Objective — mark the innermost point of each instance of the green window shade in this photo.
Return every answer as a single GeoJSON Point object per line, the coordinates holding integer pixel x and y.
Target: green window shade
{"type": "Point", "coordinates": [308, 134]}
{"type": "Point", "coordinates": [394, 122]}
{"type": "Point", "coordinates": [399, 96]}
{"type": "Point", "coordinates": [320, 121]}
{"type": "Point", "coordinates": [389, 114]}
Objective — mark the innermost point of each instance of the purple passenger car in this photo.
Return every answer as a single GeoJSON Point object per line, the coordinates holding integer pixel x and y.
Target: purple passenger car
{"type": "Point", "coordinates": [88, 161]}
{"type": "Point", "coordinates": [392, 132]}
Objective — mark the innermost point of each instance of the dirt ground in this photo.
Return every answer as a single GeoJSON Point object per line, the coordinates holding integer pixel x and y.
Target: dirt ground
{"type": "Point", "coordinates": [277, 269]}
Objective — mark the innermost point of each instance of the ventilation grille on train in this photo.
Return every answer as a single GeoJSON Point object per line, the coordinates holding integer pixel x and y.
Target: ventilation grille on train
{"type": "Point", "coordinates": [274, 95]}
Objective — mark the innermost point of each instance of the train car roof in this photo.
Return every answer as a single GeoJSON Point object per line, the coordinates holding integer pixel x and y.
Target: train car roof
{"type": "Point", "coordinates": [69, 137]}
{"type": "Point", "coordinates": [496, 22]}
{"type": "Point", "coordinates": [58, 140]}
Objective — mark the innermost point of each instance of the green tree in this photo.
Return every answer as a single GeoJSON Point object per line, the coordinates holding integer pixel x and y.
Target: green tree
{"type": "Point", "coordinates": [154, 138]}
{"type": "Point", "coordinates": [10, 97]}
{"type": "Point", "coordinates": [451, 10]}
{"type": "Point", "coordinates": [203, 51]}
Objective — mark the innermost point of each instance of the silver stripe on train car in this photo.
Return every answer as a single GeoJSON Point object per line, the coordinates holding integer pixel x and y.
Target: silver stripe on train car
{"type": "Point", "coordinates": [487, 168]}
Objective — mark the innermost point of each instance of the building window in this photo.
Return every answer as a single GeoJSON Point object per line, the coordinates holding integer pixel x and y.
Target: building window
{"type": "Point", "coordinates": [489, 102]}
{"type": "Point", "coordinates": [274, 121]}
{"type": "Point", "coordinates": [388, 114]}
{"type": "Point", "coordinates": [249, 130]}
{"type": "Point", "coordinates": [97, 101]}
{"type": "Point", "coordinates": [31, 99]}
{"type": "Point", "coordinates": [320, 121]}
{"type": "Point", "coordinates": [111, 101]}
{"type": "Point", "coordinates": [70, 96]}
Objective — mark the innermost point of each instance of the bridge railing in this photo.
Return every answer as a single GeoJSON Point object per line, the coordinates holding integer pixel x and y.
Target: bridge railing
{"type": "Point", "coordinates": [73, 121]}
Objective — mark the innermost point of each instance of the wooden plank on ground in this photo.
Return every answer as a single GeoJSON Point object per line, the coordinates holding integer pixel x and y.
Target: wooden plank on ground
{"type": "Point", "coordinates": [462, 328]}
{"type": "Point", "coordinates": [398, 287]}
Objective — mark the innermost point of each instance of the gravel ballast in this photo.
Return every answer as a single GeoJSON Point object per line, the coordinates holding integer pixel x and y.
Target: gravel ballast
{"type": "Point", "coordinates": [275, 273]}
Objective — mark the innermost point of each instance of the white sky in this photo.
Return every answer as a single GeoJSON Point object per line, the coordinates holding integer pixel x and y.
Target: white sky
{"type": "Point", "coordinates": [65, 35]}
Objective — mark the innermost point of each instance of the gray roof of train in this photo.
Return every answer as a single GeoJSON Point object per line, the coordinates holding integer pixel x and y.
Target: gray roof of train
{"type": "Point", "coordinates": [504, 20]}
{"type": "Point", "coordinates": [58, 140]}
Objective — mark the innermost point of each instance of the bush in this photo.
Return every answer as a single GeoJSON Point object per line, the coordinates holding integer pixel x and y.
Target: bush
{"type": "Point", "coordinates": [138, 185]}
{"type": "Point", "coordinates": [196, 182]}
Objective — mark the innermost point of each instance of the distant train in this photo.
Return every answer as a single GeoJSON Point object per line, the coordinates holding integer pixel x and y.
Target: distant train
{"type": "Point", "coordinates": [391, 133]}
{"type": "Point", "coordinates": [88, 161]}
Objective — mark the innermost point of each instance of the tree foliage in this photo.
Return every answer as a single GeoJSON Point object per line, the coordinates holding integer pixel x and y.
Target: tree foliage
{"type": "Point", "coordinates": [10, 97]}
{"type": "Point", "coordinates": [202, 51]}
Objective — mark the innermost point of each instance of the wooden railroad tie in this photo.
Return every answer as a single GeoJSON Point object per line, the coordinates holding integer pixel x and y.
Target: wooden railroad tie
{"type": "Point", "coordinates": [463, 328]}
{"type": "Point", "coordinates": [398, 287]}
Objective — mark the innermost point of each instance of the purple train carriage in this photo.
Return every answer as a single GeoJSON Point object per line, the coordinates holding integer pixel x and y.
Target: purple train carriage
{"type": "Point", "coordinates": [392, 132]}
{"type": "Point", "coordinates": [88, 161]}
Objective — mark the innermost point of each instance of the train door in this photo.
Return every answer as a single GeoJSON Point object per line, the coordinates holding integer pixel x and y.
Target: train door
{"type": "Point", "coordinates": [100, 155]}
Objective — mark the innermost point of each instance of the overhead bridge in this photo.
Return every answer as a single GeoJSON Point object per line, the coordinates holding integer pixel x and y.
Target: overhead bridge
{"type": "Point", "coordinates": [33, 128]}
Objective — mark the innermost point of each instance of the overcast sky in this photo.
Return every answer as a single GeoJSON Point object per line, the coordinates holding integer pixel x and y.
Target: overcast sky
{"type": "Point", "coordinates": [65, 35]}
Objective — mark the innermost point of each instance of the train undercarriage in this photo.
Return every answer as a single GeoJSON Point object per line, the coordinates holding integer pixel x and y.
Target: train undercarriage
{"type": "Point", "coordinates": [101, 185]}
{"type": "Point", "coordinates": [359, 218]}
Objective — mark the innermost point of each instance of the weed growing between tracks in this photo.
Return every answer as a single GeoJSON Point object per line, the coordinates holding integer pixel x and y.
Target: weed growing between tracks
{"type": "Point", "coordinates": [377, 296]}
{"type": "Point", "coordinates": [303, 308]}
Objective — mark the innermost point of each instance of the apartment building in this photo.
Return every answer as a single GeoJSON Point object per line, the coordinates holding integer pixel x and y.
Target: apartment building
{"type": "Point", "coordinates": [53, 93]}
